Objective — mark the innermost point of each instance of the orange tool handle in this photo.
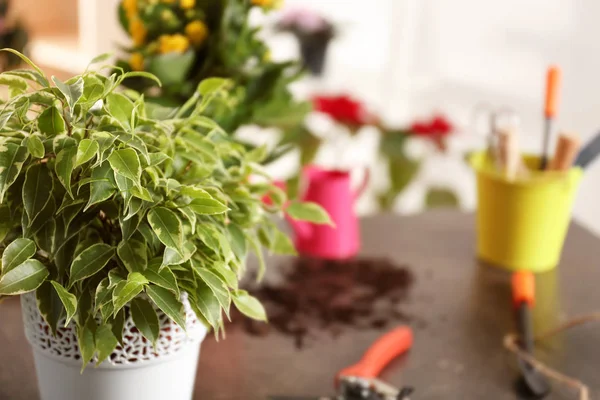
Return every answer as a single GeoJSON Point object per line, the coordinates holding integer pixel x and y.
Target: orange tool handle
{"type": "Point", "coordinates": [380, 354]}
{"type": "Point", "coordinates": [523, 288]}
{"type": "Point", "coordinates": [552, 91]}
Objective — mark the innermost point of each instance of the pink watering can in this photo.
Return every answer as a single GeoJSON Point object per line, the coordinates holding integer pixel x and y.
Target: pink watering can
{"type": "Point", "coordinates": [331, 190]}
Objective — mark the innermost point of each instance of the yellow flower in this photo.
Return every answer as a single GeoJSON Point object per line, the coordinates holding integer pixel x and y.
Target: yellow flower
{"type": "Point", "coordinates": [173, 44]}
{"type": "Point", "coordinates": [131, 8]}
{"type": "Point", "coordinates": [197, 32]}
{"type": "Point", "coordinates": [268, 3]}
{"type": "Point", "coordinates": [136, 61]}
{"type": "Point", "coordinates": [187, 4]}
{"type": "Point", "coordinates": [138, 31]}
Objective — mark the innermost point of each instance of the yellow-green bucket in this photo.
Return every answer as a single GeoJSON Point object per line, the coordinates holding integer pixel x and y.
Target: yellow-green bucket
{"type": "Point", "coordinates": [522, 224]}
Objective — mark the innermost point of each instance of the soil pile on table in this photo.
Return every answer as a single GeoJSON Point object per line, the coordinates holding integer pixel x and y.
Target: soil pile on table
{"type": "Point", "coordinates": [316, 295]}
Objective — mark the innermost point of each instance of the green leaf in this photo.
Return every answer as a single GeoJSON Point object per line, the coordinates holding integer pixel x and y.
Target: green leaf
{"type": "Point", "coordinates": [190, 216]}
{"type": "Point", "coordinates": [145, 319]}
{"type": "Point", "coordinates": [211, 86]}
{"type": "Point", "coordinates": [216, 285]}
{"type": "Point", "coordinates": [15, 83]}
{"type": "Point", "coordinates": [6, 222]}
{"type": "Point", "coordinates": [162, 277]}
{"type": "Point", "coordinates": [105, 141]}
{"type": "Point", "coordinates": [258, 154]}
{"type": "Point", "coordinates": [72, 91]}
{"type": "Point", "coordinates": [157, 158]}
{"type": "Point", "coordinates": [168, 303]}
{"type": "Point", "coordinates": [125, 291]}
{"type": "Point", "coordinates": [136, 143]}
{"type": "Point", "coordinates": [167, 226]}
{"type": "Point", "coordinates": [35, 146]}
{"type": "Point", "coordinates": [238, 241]}
{"type": "Point", "coordinates": [215, 240]}
{"type": "Point", "coordinates": [100, 58]}
{"type": "Point", "coordinates": [128, 227]}
{"type": "Point", "coordinates": [141, 193]}
{"type": "Point", "coordinates": [103, 294]}
{"type": "Point", "coordinates": [16, 253]}
{"type": "Point", "coordinates": [93, 89]}
{"type": "Point", "coordinates": [311, 212]}
{"type": "Point", "coordinates": [65, 161]}
{"type": "Point", "coordinates": [50, 305]}
{"type": "Point", "coordinates": [103, 187]}
{"type": "Point", "coordinates": [68, 300]}
{"type": "Point", "coordinates": [249, 306]}
{"type": "Point", "coordinates": [85, 340]}
{"type": "Point", "coordinates": [24, 278]}
{"type": "Point", "coordinates": [206, 305]}
{"type": "Point", "coordinates": [125, 185]}
{"type": "Point", "coordinates": [120, 107]}
{"type": "Point", "coordinates": [125, 162]}
{"type": "Point", "coordinates": [118, 323]}
{"type": "Point", "coordinates": [51, 122]}
{"type": "Point", "coordinates": [44, 82]}
{"type": "Point", "coordinates": [259, 255]}
{"type": "Point", "coordinates": [207, 206]}
{"type": "Point", "coordinates": [85, 308]}
{"type": "Point", "coordinates": [225, 273]}
{"type": "Point", "coordinates": [30, 75]}
{"type": "Point", "coordinates": [201, 145]}
{"type": "Point", "coordinates": [141, 74]}
{"type": "Point", "coordinates": [132, 253]}
{"type": "Point", "coordinates": [172, 257]}
{"type": "Point", "coordinates": [62, 142]}
{"type": "Point", "coordinates": [281, 244]}
{"type": "Point", "coordinates": [12, 158]}
{"type": "Point", "coordinates": [37, 189]}
{"type": "Point", "coordinates": [106, 342]}
{"type": "Point", "coordinates": [171, 68]}
{"type": "Point", "coordinates": [114, 277]}
{"type": "Point", "coordinates": [86, 150]}
{"type": "Point", "coordinates": [90, 262]}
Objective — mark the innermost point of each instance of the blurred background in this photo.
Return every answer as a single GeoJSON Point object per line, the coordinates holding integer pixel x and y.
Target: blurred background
{"type": "Point", "coordinates": [405, 60]}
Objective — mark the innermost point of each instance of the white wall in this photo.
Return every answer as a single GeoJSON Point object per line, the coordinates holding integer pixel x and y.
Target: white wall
{"type": "Point", "coordinates": [461, 52]}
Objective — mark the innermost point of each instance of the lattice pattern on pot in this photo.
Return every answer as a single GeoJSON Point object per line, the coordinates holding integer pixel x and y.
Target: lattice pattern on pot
{"type": "Point", "coordinates": [135, 349]}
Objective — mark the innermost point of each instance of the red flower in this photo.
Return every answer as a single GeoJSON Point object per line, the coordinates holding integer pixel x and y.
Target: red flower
{"type": "Point", "coordinates": [436, 127]}
{"type": "Point", "coordinates": [343, 109]}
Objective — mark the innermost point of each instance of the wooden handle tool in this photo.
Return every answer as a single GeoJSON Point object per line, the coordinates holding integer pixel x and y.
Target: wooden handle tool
{"type": "Point", "coordinates": [566, 151]}
{"type": "Point", "coordinates": [509, 157]}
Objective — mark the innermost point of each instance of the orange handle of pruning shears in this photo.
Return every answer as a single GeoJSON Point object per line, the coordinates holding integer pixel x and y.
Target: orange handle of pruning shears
{"type": "Point", "coordinates": [552, 91]}
{"type": "Point", "coordinates": [523, 288]}
{"type": "Point", "coordinates": [380, 354]}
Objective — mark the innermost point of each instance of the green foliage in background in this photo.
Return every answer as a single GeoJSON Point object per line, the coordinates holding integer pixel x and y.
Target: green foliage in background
{"type": "Point", "coordinates": [186, 41]}
{"type": "Point", "coordinates": [106, 208]}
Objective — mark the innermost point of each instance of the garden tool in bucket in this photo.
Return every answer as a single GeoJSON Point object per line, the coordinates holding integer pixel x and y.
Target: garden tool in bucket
{"type": "Point", "coordinates": [522, 222]}
{"type": "Point", "coordinates": [331, 189]}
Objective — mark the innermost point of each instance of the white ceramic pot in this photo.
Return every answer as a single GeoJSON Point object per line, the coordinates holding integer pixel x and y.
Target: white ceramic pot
{"type": "Point", "coordinates": [134, 371]}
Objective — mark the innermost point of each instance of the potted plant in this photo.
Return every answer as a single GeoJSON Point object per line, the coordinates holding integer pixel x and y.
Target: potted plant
{"type": "Point", "coordinates": [184, 42]}
{"type": "Point", "coordinates": [126, 234]}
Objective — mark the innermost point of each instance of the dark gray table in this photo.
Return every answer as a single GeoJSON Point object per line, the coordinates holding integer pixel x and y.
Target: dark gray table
{"type": "Point", "coordinates": [462, 310]}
